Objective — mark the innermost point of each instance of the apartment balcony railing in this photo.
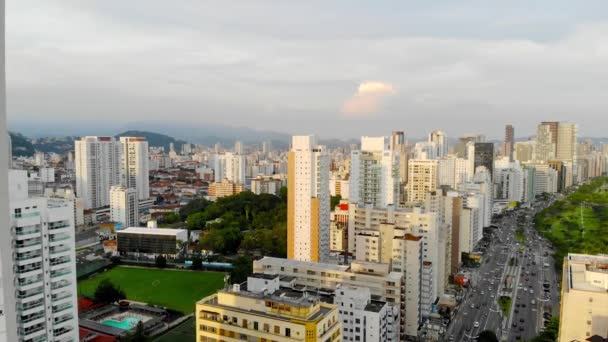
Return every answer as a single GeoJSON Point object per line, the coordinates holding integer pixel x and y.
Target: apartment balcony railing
{"type": "Point", "coordinates": [27, 230]}
{"type": "Point", "coordinates": [62, 295]}
{"type": "Point", "coordinates": [61, 331]}
{"type": "Point", "coordinates": [60, 284]}
{"type": "Point", "coordinates": [58, 226]}
{"type": "Point", "coordinates": [59, 273]}
{"type": "Point", "coordinates": [28, 255]}
{"type": "Point", "coordinates": [27, 243]}
{"type": "Point", "coordinates": [30, 293]}
{"type": "Point", "coordinates": [58, 237]}
{"type": "Point", "coordinates": [32, 317]}
{"type": "Point", "coordinates": [63, 318]}
{"type": "Point", "coordinates": [41, 338]}
{"type": "Point", "coordinates": [30, 305]}
{"type": "Point", "coordinates": [26, 215]}
{"type": "Point", "coordinates": [30, 280]}
{"type": "Point", "coordinates": [22, 270]}
{"type": "Point", "coordinates": [28, 331]}
{"type": "Point", "coordinates": [60, 249]}
{"type": "Point", "coordinates": [60, 260]}
{"type": "Point", "coordinates": [61, 307]}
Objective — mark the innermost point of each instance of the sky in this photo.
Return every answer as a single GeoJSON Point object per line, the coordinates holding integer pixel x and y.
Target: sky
{"type": "Point", "coordinates": [339, 69]}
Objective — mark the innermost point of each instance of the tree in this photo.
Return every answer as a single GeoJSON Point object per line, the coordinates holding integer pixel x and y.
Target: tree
{"type": "Point", "coordinates": [171, 218]}
{"type": "Point", "coordinates": [487, 336]}
{"type": "Point", "coordinates": [243, 268]}
{"type": "Point", "coordinates": [197, 261]}
{"type": "Point", "coordinates": [196, 221]}
{"type": "Point", "coordinates": [160, 261]}
{"type": "Point", "coordinates": [334, 201]}
{"type": "Point", "coordinates": [107, 292]}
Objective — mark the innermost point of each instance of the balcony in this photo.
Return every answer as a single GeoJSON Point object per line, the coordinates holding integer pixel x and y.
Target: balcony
{"type": "Point", "coordinates": [62, 331]}
{"type": "Point", "coordinates": [20, 231]}
{"type": "Point", "coordinates": [59, 249]}
{"type": "Point", "coordinates": [30, 318]}
{"type": "Point", "coordinates": [30, 280]}
{"type": "Point", "coordinates": [30, 293]}
{"type": "Point", "coordinates": [41, 338]}
{"type": "Point", "coordinates": [28, 268]}
{"type": "Point", "coordinates": [30, 305]}
{"type": "Point", "coordinates": [61, 307]}
{"type": "Point", "coordinates": [58, 225]}
{"type": "Point", "coordinates": [28, 243]}
{"type": "Point", "coordinates": [61, 272]}
{"type": "Point", "coordinates": [62, 295]}
{"type": "Point", "coordinates": [63, 318]}
{"type": "Point", "coordinates": [59, 237]}
{"type": "Point", "coordinates": [60, 260]}
{"type": "Point", "coordinates": [60, 284]}
{"type": "Point", "coordinates": [31, 330]}
{"type": "Point", "coordinates": [28, 255]}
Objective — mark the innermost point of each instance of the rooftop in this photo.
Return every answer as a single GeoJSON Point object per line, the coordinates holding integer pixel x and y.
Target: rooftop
{"type": "Point", "coordinates": [375, 305]}
{"type": "Point", "coordinates": [153, 231]}
{"type": "Point", "coordinates": [303, 264]}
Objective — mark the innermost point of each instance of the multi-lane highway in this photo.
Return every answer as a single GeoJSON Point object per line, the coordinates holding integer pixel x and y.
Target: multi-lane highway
{"type": "Point", "coordinates": [514, 268]}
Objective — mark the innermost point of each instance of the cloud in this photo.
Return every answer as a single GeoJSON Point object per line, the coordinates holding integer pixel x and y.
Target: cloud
{"type": "Point", "coordinates": [368, 98]}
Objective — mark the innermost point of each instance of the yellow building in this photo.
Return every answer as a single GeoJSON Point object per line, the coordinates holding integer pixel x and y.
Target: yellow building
{"type": "Point", "coordinates": [225, 188]}
{"type": "Point", "coordinates": [261, 310]}
{"type": "Point", "coordinates": [584, 306]}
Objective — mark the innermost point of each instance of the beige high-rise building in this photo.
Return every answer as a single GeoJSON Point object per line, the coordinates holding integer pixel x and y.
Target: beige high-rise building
{"type": "Point", "coordinates": [545, 142]}
{"type": "Point", "coordinates": [422, 179]}
{"type": "Point", "coordinates": [566, 142]}
{"type": "Point", "coordinates": [134, 168]}
{"type": "Point", "coordinates": [225, 188]}
{"type": "Point", "coordinates": [263, 311]}
{"type": "Point", "coordinates": [584, 305]}
{"type": "Point", "coordinates": [308, 200]}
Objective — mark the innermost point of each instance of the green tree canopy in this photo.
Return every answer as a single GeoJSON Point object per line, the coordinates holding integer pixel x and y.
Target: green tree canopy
{"type": "Point", "coordinates": [107, 292]}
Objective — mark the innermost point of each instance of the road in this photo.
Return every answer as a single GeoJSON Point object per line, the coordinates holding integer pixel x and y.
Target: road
{"type": "Point", "coordinates": [509, 268]}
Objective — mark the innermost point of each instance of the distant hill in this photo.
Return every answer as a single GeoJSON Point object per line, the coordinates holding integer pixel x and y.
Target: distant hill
{"type": "Point", "coordinates": [59, 145]}
{"type": "Point", "coordinates": [154, 139]}
{"type": "Point", "coordinates": [21, 146]}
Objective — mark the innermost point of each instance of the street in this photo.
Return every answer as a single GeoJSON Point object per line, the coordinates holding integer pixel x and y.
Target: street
{"type": "Point", "coordinates": [510, 268]}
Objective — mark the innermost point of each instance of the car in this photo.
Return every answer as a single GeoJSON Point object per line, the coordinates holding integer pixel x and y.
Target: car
{"type": "Point", "coordinates": [516, 311]}
{"type": "Point", "coordinates": [521, 320]}
{"type": "Point", "coordinates": [472, 306]}
{"type": "Point", "coordinates": [532, 302]}
{"type": "Point", "coordinates": [482, 293]}
{"type": "Point", "coordinates": [451, 338]}
{"type": "Point", "coordinates": [521, 328]}
{"type": "Point", "coordinates": [531, 291]}
{"type": "Point", "coordinates": [476, 324]}
{"type": "Point", "coordinates": [523, 305]}
{"type": "Point", "coordinates": [514, 324]}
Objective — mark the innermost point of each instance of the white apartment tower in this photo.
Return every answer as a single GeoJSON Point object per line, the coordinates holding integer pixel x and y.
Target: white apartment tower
{"type": "Point", "coordinates": [439, 141]}
{"type": "Point", "coordinates": [124, 206]}
{"type": "Point", "coordinates": [374, 173]}
{"type": "Point", "coordinates": [308, 200]}
{"type": "Point", "coordinates": [229, 166]}
{"type": "Point", "coordinates": [44, 273]}
{"type": "Point", "coordinates": [97, 169]}
{"type": "Point", "coordinates": [134, 169]}
{"type": "Point", "coordinates": [363, 318]}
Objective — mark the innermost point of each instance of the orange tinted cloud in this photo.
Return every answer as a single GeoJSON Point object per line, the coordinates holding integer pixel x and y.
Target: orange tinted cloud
{"type": "Point", "coordinates": [368, 98]}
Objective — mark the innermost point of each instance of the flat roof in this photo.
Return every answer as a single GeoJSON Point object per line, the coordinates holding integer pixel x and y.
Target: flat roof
{"type": "Point", "coordinates": [303, 264]}
{"type": "Point", "coordinates": [152, 231]}
{"type": "Point", "coordinates": [375, 305]}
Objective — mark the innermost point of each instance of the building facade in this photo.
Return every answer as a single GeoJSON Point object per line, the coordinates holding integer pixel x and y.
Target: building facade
{"type": "Point", "coordinates": [124, 206]}
{"type": "Point", "coordinates": [134, 165]}
{"type": "Point", "coordinates": [308, 201]}
{"type": "Point", "coordinates": [97, 169]}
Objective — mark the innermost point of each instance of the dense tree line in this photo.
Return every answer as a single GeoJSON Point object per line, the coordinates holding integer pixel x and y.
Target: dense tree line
{"type": "Point", "coordinates": [245, 220]}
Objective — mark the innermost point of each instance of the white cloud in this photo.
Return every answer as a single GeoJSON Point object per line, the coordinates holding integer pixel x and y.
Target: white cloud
{"type": "Point", "coordinates": [367, 99]}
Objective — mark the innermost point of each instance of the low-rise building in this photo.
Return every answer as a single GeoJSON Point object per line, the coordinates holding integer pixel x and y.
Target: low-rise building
{"type": "Point", "coordinates": [584, 305]}
{"type": "Point", "coordinates": [260, 310]}
{"type": "Point", "coordinates": [150, 242]}
{"type": "Point", "coordinates": [224, 188]}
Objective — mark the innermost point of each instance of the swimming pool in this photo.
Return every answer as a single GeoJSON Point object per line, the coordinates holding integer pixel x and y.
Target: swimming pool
{"type": "Point", "coordinates": [127, 323]}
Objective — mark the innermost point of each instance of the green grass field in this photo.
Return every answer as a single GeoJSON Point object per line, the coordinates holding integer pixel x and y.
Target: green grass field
{"type": "Point", "coordinates": [185, 332]}
{"type": "Point", "coordinates": [176, 290]}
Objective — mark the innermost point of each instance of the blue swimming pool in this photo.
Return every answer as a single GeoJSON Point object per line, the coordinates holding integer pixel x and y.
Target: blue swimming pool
{"type": "Point", "coordinates": [126, 324]}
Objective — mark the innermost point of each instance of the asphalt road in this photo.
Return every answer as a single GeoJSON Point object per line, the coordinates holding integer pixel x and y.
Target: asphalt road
{"type": "Point", "coordinates": [498, 277]}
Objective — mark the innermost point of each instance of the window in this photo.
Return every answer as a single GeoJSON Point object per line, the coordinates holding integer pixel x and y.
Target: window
{"type": "Point", "coordinates": [255, 325]}
{"type": "Point", "coordinates": [277, 329]}
{"type": "Point", "coordinates": [287, 332]}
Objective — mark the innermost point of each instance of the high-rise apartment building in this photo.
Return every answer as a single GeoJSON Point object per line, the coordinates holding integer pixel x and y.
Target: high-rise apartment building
{"type": "Point", "coordinates": [263, 311]}
{"type": "Point", "coordinates": [124, 206]}
{"type": "Point", "coordinates": [97, 169]}
{"type": "Point", "coordinates": [43, 291]}
{"type": "Point", "coordinates": [374, 173]}
{"type": "Point", "coordinates": [584, 304]}
{"type": "Point", "coordinates": [439, 141]}
{"type": "Point", "coordinates": [398, 146]}
{"type": "Point", "coordinates": [546, 139]}
{"type": "Point", "coordinates": [484, 156]}
{"type": "Point", "coordinates": [565, 149]}
{"type": "Point", "coordinates": [308, 200]}
{"type": "Point", "coordinates": [524, 151]}
{"type": "Point", "coordinates": [507, 148]}
{"type": "Point", "coordinates": [422, 179]}
{"type": "Point", "coordinates": [231, 167]}
{"type": "Point", "coordinates": [238, 147]}
{"type": "Point", "coordinates": [134, 165]}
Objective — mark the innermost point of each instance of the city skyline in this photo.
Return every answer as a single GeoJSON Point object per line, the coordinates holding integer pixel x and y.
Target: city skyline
{"type": "Point", "coordinates": [391, 65]}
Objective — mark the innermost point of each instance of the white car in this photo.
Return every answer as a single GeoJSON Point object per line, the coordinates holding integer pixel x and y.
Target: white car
{"type": "Point", "coordinates": [476, 325]}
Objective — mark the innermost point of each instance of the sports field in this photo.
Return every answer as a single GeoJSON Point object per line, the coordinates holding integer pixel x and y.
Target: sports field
{"type": "Point", "coordinates": [185, 332]}
{"type": "Point", "coordinates": [174, 289]}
